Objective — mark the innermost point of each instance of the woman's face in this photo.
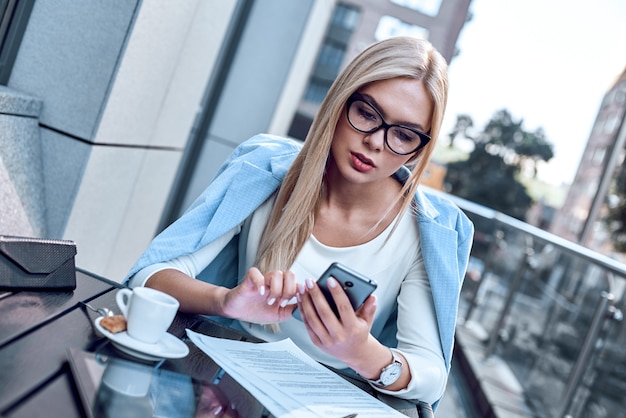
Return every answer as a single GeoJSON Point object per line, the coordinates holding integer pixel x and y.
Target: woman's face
{"type": "Point", "coordinates": [363, 157]}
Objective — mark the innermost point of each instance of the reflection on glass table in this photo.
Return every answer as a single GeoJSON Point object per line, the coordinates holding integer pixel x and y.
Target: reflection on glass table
{"type": "Point", "coordinates": [110, 386]}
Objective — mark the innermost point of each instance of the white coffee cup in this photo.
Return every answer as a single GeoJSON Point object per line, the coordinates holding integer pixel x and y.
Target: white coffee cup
{"type": "Point", "coordinates": [148, 312]}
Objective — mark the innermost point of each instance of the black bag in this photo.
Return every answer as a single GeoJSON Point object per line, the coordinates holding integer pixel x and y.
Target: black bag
{"type": "Point", "coordinates": [34, 263]}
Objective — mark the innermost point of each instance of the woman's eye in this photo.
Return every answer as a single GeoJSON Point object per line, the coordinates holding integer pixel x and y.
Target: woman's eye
{"type": "Point", "coordinates": [405, 135]}
{"type": "Point", "coordinates": [367, 113]}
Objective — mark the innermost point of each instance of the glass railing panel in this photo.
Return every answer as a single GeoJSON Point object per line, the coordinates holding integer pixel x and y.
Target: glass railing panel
{"type": "Point", "coordinates": [540, 303]}
{"type": "Point", "coordinates": [544, 335]}
{"type": "Point", "coordinates": [602, 392]}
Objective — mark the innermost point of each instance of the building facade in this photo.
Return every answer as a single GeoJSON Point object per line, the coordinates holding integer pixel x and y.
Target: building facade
{"type": "Point", "coordinates": [355, 24]}
{"type": "Point", "coordinates": [116, 115]}
{"type": "Point", "coordinates": [580, 217]}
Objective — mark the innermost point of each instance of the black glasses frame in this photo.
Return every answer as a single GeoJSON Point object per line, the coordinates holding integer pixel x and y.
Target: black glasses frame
{"type": "Point", "coordinates": [424, 138]}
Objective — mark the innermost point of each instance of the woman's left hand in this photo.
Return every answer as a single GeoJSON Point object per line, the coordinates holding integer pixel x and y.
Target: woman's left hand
{"type": "Point", "coordinates": [348, 337]}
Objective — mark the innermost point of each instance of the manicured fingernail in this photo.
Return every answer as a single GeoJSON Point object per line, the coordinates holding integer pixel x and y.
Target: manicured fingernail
{"type": "Point", "coordinates": [271, 301]}
{"type": "Point", "coordinates": [332, 282]}
{"type": "Point", "coordinates": [301, 288]}
{"type": "Point", "coordinates": [298, 297]}
{"type": "Point", "coordinates": [284, 302]}
{"type": "Point", "coordinates": [217, 410]}
{"type": "Point", "coordinates": [309, 283]}
{"type": "Point", "coordinates": [262, 290]}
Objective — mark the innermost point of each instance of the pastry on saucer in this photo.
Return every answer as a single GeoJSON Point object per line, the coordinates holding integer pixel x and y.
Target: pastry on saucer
{"type": "Point", "coordinates": [114, 324]}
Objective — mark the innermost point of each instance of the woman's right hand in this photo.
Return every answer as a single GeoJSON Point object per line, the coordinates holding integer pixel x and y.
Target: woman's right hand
{"type": "Point", "coordinates": [261, 298]}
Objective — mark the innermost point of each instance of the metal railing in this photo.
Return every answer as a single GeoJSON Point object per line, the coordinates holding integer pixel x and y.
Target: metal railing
{"type": "Point", "coordinates": [552, 310]}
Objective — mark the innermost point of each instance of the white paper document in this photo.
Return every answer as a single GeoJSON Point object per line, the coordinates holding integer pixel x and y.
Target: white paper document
{"type": "Point", "coordinates": [288, 382]}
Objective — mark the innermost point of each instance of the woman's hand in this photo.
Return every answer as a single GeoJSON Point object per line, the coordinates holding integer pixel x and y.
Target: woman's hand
{"type": "Point", "coordinates": [261, 298]}
{"type": "Point", "coordinates": [348, 337]}
{"type": "Point", "coordinates": [214, 403]}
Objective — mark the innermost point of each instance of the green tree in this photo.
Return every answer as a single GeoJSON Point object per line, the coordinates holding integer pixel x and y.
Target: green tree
{"type": "Point", "coordinates": [462, 126]}
{"type": "Point", "coordinates": [501, 152]}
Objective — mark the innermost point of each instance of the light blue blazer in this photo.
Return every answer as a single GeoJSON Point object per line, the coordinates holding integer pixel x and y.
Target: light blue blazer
{"type": "Point", "coordinates": [253, 172]}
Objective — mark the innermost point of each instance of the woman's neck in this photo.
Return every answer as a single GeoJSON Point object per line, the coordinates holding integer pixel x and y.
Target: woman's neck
{"type": "Point", "coordinates": [354, 214]}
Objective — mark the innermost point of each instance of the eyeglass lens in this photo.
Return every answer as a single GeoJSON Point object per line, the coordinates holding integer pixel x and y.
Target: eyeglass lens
{"type": "Point", "coordinates": [365, 118]}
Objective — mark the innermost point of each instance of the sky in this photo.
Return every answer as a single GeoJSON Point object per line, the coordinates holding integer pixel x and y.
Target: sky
{"type": "Point", "coordinates": [548, 62]}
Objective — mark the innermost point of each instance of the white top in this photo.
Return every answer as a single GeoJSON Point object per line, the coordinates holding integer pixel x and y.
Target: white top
{"type": "Point", "coordinates": [393, 260]}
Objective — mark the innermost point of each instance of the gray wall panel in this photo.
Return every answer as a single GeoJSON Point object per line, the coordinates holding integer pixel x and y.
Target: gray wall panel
{"type": "Point", "coordinates": [260, 69]}
{"type": "Point", "coordinates": [255, 83]}
{"type": "Point", "coordinates": [64, 161]}
{"type": "Point", "coordinates": [68, 56]}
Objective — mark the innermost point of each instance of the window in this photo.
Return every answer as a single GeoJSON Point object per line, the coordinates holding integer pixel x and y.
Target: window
{"type": "Point", "coordinates": [389, 26]}
{"type": "Point", "coordinates": [345, 17]}
{"type": "Point", "coordinates": [14, 16]}
{"type": "Point", "coordinates": [620, 93]}
{"type": "Point", "coordinates": [598, 156]}
{"type": "Point", "coordinates": [331, 57]}
{"type": "Point", "coordinates": [592, 189]}
{"type": "Point", "coordinates": [428, 7]}
{"type": "Point", "coordinates": [316, 91]}
{"type": "Point", "coordinates": [611, 123]}
{"type": "Point", "coordinates": [332, 52]}
{"type": "Point", "coordinates": [344, 20]}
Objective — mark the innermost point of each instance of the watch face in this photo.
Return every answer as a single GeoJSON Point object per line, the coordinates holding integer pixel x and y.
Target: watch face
{"type": "Point", "coordinates": [391, 374]}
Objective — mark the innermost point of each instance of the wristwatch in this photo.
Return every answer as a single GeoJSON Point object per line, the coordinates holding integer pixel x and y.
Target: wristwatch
{"type": "Point", "coordinates": [390, 373]}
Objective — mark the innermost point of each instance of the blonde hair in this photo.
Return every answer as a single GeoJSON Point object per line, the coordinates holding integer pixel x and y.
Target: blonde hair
{"type": "Point", "coordinates": [293, 216]}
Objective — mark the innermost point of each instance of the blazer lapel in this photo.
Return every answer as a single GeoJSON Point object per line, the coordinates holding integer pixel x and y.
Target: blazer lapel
{"type": "Point", "coordinates": [249, 187]}
{"type": "Point", "coordinates": [442, 269]}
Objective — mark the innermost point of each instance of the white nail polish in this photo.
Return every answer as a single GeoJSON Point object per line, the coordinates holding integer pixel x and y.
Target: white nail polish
{"type": "Point", "coordinates": [284, 303]}
{"type": "Point", "coordinates": [271, 301]}
{"type": "Point", "coordinates": [262, 290]}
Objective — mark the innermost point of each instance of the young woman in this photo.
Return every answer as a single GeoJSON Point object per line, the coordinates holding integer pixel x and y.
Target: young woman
{"type": "Point", "coordinates": [279, 212]}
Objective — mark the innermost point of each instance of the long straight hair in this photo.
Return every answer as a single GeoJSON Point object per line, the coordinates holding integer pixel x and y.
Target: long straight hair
{"type": "Point", "coordinates": [293, 216]}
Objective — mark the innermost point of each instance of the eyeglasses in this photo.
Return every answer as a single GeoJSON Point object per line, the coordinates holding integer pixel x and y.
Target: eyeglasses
{"type": "Point", "coordinates": [364, 117]}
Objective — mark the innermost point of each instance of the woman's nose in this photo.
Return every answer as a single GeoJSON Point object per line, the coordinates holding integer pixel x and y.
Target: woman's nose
{"type": "Point", "coordinates": [375, 140]}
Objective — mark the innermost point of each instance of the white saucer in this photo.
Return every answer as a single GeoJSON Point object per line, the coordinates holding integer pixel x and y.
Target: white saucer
{"type": "Point", "coordinates": [168, 348]}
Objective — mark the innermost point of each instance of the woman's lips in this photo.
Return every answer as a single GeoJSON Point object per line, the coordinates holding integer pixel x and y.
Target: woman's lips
{"type": "Point", "coordinates": [362, 163]}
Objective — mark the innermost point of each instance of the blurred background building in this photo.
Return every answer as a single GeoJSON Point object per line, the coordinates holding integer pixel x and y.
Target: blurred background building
{"type": "Point", "coordinates": [356, 24]}
{"type": "Point", "coordinates": [580, 217]}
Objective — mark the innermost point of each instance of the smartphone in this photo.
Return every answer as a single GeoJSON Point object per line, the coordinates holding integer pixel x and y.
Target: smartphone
{"type": "Point", "coordinates": [357, 287]}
